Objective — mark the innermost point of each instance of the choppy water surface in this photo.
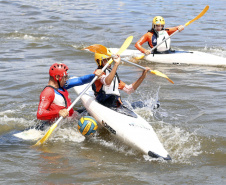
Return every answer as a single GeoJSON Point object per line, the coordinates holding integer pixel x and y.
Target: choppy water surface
{"type": "Point", "coordinates": [190, 122]}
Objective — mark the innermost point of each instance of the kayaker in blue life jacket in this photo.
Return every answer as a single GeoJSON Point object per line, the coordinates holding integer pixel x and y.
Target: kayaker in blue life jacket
{"type": "Point", "coordinates": [106, 88]}
{"type": "Point", "coordinates": [156, 35]}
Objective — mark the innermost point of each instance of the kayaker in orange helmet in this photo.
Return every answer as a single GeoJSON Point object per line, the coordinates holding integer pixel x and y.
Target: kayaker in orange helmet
{"type": "Point", "coordinates": [157, 34]}
{"type": "Point", "coordinates": [106, 88]}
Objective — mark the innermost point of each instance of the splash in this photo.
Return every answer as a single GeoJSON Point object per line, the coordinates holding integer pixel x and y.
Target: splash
{"type": "Point", "coordinates": [113, 144]}
{"type": "Point", "coordinates": [181, 144]}
{"type": "Point", "coordinates": [68, 134]}
{"type": "Point", "coordinates": [215, 50]}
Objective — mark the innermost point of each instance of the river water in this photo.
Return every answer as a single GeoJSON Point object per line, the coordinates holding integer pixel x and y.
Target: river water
{"type": "Point", "coordinates": [190, 122]}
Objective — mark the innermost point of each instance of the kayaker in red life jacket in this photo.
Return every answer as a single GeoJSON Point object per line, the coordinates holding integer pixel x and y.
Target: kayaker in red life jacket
{"type": "Point", "coordinates": [157, 34]}
{"type": "Point", "coordinates": [106, 88]}
{"type": "Point", "coordinates": [54, 99]}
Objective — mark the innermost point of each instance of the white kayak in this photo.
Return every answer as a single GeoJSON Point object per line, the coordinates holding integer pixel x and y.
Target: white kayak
{"type": "Point", "coordinates": [125, 125]}
{"type": "Point", "coordinates": [177, 57]}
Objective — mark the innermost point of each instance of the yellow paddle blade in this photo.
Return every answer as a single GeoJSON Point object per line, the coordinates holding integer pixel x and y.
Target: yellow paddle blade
{"type": "Point", "coordinates": [200, 15]}
{"type": "Point", "coordinates": [158, 73]}
{"type": "Point", "coordinates": [123, 48]}
{"type": "Point", "coordinates": [97, 48]}
{"type": "Point", "coordinates": [139, 58]}
{"type": "Point", "coordinates": [125, 45]}
{"type": "Point", "coordinates": [46, 136]}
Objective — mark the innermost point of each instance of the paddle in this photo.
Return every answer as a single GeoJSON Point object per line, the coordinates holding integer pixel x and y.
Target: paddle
{"type": "Point", "coordinates": [103, 50]}
{"type": "Point", "coordinates": [189, 22]}
{"type": "Point", "coordinates": [52, 128]}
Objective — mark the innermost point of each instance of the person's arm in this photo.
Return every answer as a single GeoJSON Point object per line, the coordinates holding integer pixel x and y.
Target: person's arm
{"type": "Point", "coordinates": [132, 87]}
{"type": "Point", "coordinates": [170, 31]}
{"type": "Point", "coordinates": [82, 80]}
{"type": "Point", "coordinates": [140, 80]}
{"type": "Point", "coordinates": [110, 77]}
{"type": "Point", "coordinates": [46, 98]}
{"type": "Point", "coordinates": [140, 42]}
{"type": "Point", "coordinates": [78, 81]}
{"type": "Point", "coordinates": [126, 88]}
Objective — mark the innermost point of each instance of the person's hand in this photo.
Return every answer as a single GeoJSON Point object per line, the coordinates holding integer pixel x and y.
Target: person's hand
{"type": "Point", "coordinates": [64, 113]}
{"type": "Point", "coordinates": [180, 28]}
{"type": "Point", "coordinates": [147, 52]}
{"type": "Point", "coordinates": [117, 59]}
{"type": "Point", "coordinates": [147, 69]}
{"type": "Point", "coordinates": [98, 72]}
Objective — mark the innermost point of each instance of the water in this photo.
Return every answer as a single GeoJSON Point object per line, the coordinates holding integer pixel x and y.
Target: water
{"type": "Point", "coordinates": [190, 122]}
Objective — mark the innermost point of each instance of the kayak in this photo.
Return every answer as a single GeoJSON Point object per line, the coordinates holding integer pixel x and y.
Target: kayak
{"type": "Point", "coordinates": [125, 125]}
{"type": "Point", "coordinates": [177, 57]}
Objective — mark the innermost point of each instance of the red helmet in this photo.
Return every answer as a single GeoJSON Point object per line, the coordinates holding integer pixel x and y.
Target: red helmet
{"type": "Point", "coordinates": [58, 69]}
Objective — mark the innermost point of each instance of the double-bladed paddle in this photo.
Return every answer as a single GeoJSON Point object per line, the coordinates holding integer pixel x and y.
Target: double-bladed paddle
{"type": "Point", "coordinates": [52, 128]}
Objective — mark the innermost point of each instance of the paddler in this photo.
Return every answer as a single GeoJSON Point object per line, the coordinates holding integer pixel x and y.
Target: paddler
{"type": "Point", "coordinates": [54, 99]}
{"type": "Point", "coordinates": [156, 35]}
{"type": "Point", "coordinates": [106, 88]}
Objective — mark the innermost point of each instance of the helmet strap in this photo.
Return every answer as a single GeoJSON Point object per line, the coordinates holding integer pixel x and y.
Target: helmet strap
{"type": "Point", "coordinates": [58, 80]}
{"type": "Point", "coordinates": [58, 83]}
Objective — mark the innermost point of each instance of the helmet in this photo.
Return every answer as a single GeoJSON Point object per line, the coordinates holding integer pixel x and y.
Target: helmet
{"type": "Point", "coordinates": [99, 57]}
{"type": "Point", "coordinates": [158, 20]}
{"type": "Point", "coordinates": [58, 69]}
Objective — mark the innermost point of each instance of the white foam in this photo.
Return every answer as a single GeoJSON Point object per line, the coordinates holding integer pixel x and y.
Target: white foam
{"type": "Point", "coordinates": [31, 134]}
{"type": "Point", "coordinates": [180, 144]}
{"type": "Point", "coordinates": [7, 112]}
{"type": "Point", "coordinates": [68, 134]}
{"type": "Point", "coordinates": [5, 119]}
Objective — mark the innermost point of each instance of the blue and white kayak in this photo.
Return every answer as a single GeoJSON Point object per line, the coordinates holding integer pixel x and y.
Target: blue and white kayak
{"type": "Point", "coordinates": [125, 125]}
{"type": "Point", "coordinates": [177, 57]}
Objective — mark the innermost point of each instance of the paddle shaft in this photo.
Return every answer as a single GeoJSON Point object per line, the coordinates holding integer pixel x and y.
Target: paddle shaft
{"type": "Point", "coordinates": [151, 71]}
{"type": "Point", "coordinates": [141, 67]}
{"type": "Point", "coordinates": [84, 90]}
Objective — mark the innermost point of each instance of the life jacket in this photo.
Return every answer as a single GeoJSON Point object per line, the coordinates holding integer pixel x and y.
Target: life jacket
{"type": "Point", "coordinates": [108, 95]}
{"type": "Point", "coordinates": [158, 37]}
{"type": "Point", "coordinates": [61, 99]}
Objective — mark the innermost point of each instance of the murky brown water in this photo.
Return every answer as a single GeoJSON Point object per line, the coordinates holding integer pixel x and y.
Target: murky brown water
{"type": "Point", "coordinates": [190, 122]}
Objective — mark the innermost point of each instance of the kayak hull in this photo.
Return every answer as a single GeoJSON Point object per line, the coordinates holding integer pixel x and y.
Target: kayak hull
{"type": "Point", "coordinates": [178, 57]}
{"type": "Point", "coordinates": [131, 130]}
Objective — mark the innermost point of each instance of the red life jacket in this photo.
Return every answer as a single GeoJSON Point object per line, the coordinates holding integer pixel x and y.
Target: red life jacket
{"type": "Point", "coordinates": [51, 103]}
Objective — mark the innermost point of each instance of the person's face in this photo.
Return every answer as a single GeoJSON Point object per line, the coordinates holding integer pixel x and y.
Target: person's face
{"type": "Point", "coordinates": [63, 80]}
{"type": "Point", "coordinates": [105, 61]}
{"type": "Point", "coordinates": [158, 27]}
